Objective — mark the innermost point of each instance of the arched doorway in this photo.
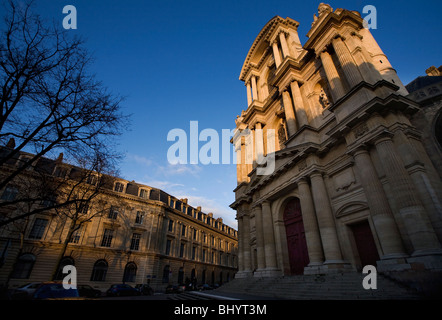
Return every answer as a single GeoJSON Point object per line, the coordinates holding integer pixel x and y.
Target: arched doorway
{"type": "Point", "coordinates": [296, 243]}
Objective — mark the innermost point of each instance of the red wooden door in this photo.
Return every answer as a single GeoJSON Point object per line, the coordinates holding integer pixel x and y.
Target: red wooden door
{"type": "Point", "coordinates": [296, 243]}
{"type": "Point", "coordinates": [368, 253]}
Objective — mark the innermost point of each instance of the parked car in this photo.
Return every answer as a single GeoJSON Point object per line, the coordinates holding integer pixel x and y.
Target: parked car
{"type": "Point", "coordinates": [204, 287]}
{"type": "Point", "coordinates": [144, 289]}
{"type": "Point", "coordinates": [25, 291]}
{"type": "Point", "coordinates": [55, 290]}
{"type": "Point", "coordinates": [175, 288]}
{"type": "Point", "coordinates": [117, 290]}
{"type": "Point", "coordinates": [87, 291]}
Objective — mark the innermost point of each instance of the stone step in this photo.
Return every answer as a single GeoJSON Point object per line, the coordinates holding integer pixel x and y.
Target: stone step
{"type": "Point", "coordinates": [332, 286]}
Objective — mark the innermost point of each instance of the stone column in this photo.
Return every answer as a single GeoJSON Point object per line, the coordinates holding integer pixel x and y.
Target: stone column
{"type": "Point", "coordinates": [269, 238]}
{"type": "Point", "coordinates": [383, 219]}
{"type": "Point", "coordinates": [247, 261]}
{"type": "Point", "coordinates": [276, 54]}
{"type": "Point", "coordinates": [336, 87]}
{"type": "Point", "coordinates": [348, 65]}
{"type": "Point", "coordinates": [422, 235]}
{"type": "Point", "coordinates": [249, 94]}
{"type": "Point", "coordinates": [259, 143]}
{"type": "Point", "coordinates": [260, 253]}
{"type": "Point", "coordinates": [254, 89]}
{"type": "Point", "coordinates": [284, 46]}
{"type": "Point", "coordinates": [301, 115]}
{"type": "Point", "coordinates": [240, 244]}
{"type": "Point", "coordinates": [326, 220]}
{"type": "Point", "coordinates": [312, 236]}
{"type": "Point", "coordinates": [289, 114]}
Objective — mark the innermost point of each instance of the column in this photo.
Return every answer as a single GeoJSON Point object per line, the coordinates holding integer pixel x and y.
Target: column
{"type": "Point", "coordinates": [240, 244]}
{"type": "Point", "coordinates": [301, 115]}
{"type": "Point", "coordinates": [259, 143]}
{"type": "Point", "coordinates": [289, 113]}
{"type": "Point", "coordinates": [337, 89]}
{"type": "Point", "coordinates": [312, 236]}
{"type": "Point", "coordinates": [254, 89]}
{"type": "Point", "coordinates": [422, 235]}
{"type": "Point", "coordinates": [269, 238]}
{"type": "Point", "coordinates": [326, 221]}
{"type": "Point", "coordinates": [260, 254]}
{"type": "Point", "coordinates": [383, 219]}
{"type": "Point", "coordinates": [276, 54]}
{"type": "Point", "coordinates": [249, 94]}
{"type": "Point", "coordinates": [348, 65]}
{"type": "Point", "coordinates": [246, 244]}
{"type": "Point", "coordinates": [284, 47]}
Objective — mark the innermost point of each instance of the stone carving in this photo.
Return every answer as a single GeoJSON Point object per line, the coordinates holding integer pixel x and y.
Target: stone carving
{"type": "Point", "coordinates": [282, 137]}
{"type": "Point", "coordinates": [323, 99]}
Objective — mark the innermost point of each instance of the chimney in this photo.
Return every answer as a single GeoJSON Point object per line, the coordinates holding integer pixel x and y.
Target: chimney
{"type": "Point", "coordinates": [60, 158]}
{"type": "Point", "coordinates": [198, 208]}
{"type": "Point", "coordinates": [11, 143]}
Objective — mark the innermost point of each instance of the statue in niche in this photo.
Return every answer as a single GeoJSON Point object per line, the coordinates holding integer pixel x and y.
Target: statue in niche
{"type": "Point", "coordinates": [323, 99]}
{"type": "Point", "coordinates": [282, 136]}
{"type": "Point", "coordinates": [322, 8]}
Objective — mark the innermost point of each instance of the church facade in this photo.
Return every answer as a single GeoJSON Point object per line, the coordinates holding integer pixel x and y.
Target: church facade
{"type": "Point", "coordinates": [352, 183]}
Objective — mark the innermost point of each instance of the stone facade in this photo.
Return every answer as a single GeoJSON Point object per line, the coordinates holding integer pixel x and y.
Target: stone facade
{"type": "Point", "coordinates": [143, 235]}
{"type": "Point", "coordinates": [352, 182]}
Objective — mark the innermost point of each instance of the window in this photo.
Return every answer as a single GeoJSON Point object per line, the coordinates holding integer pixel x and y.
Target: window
{"type": "Point", "coordinates": [76, 235]}
{"type": "Point", "coordinates": [135, 243]}
{"type": "Point", "coordinates": [83, 208]}
{"type": "Point", "coordinates": [60, 172]}
{"type": "Point", "coordinates": [204, 255]}
{"type": "Point", "coordinates": [189, 211]}
{"type": "Point", "coordinates": [99, 271]}
{"type": "Point", "coordinates": [107, 238]}
{"type": "Point", "coordinates": [38, 228]}
{"type": "Point", "coordinates": [194, 234]}
{"type": "Point", "coordinates": [23, 266]}
{"type": "Point", "coordinates": [172, 203]}
{"type": "Point", "coordinates": [166, 272]}
{"type": "Point", "coordinates": [92, 179]}
{"type": "Point", "coordinates": [130, 272]}
{"type": "Point", "coordinates": [143, 193]}
{"type": "Point", "coordinates": [119, 187]}
{"type": "Point", "coordinates": [140, 217]}
{"type": "Point", "coordinates": [168, 245]}
{"type": "Point", "coordinates": [183, 230]}
{"type": "Point", "coordinates": [66, 261]}
{"type": "Point", "coordinates": [200, 216]}
{"type": "Point", "coordinates": [170, 225]}
{"type": "Point", "coordinates": [182, 250]}
{"type": "Point", "coordinates": [193, 253]}
{"type": "Point", "coordinates": [10, 193]}
{"type": "Point", "coordinates": [113, 213]}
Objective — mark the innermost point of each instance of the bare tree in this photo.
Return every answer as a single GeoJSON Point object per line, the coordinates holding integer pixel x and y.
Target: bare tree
{"type": "Point", "coordinates": [50, 102]}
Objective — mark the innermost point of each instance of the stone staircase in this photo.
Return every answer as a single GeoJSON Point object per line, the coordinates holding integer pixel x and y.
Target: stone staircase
{"type": "Point", "coordinates": [341, 286]}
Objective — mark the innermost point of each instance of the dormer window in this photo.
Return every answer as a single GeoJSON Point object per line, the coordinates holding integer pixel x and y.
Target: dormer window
{"type": "Point", "coordinates": [119, 187]}
{"type": "Point", "coordinates": [60, 172]}
{"type": "Point", "coordinates": [92, 179]}
{"type": "Point", "coordinates": [144, 194]}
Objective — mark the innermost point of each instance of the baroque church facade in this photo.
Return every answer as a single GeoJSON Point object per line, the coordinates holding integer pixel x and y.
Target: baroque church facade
{"type": "Point", "coordinates": [352, 183]}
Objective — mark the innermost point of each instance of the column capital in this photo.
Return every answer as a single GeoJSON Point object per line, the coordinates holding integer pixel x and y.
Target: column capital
{"type": "Point", "coordinates": [338, 36]}
{"type": "Point", "coordinates": [384, 136]}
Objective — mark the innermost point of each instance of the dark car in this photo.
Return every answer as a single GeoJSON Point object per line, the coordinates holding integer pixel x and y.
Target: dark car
{"type": "Point", "coordinates": [55, 290]}
{"type": "Point", "coordinates": [87, 291]}
{"type": "Point", "coordinates": [144, 289]}
{"type": "Point", "coordinates": [118, 290]}
{"type": "Point", "coordinates": [175, 288]}
{"type": "Point", "coordinates": [204, 287]}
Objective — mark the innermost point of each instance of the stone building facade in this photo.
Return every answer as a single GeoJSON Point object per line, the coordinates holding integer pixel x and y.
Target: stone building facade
{"type": "Point", "coordinates": [352, 182]}
{"type": "Point", "coordinates": [143, 235]}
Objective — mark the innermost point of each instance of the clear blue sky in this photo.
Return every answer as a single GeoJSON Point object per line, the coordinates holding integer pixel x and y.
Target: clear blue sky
{"type": "Point", "coordinates": [179, 61]}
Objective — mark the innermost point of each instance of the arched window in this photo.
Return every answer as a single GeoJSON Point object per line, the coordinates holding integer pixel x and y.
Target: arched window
{"type": "Point", "coordinates": [130, 272]}
{"type": "Point", "coordinates": [64, 262]}
{"type": "Point", "coordinates": [23, 266]}
{"type": "Point", "coordinates": [99, 271]}
{"type": "Point", "coordinates": [166, 272]}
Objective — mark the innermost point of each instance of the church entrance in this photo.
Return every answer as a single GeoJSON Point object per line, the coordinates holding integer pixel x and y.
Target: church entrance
{"type": "Point", "coordinates": [368, 253]}
{"type": "Point", "coordinates": [296, 243]}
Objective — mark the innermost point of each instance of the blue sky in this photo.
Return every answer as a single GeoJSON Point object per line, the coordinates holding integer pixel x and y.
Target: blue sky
{"type": "Point", "coordinates": [179, 61]}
